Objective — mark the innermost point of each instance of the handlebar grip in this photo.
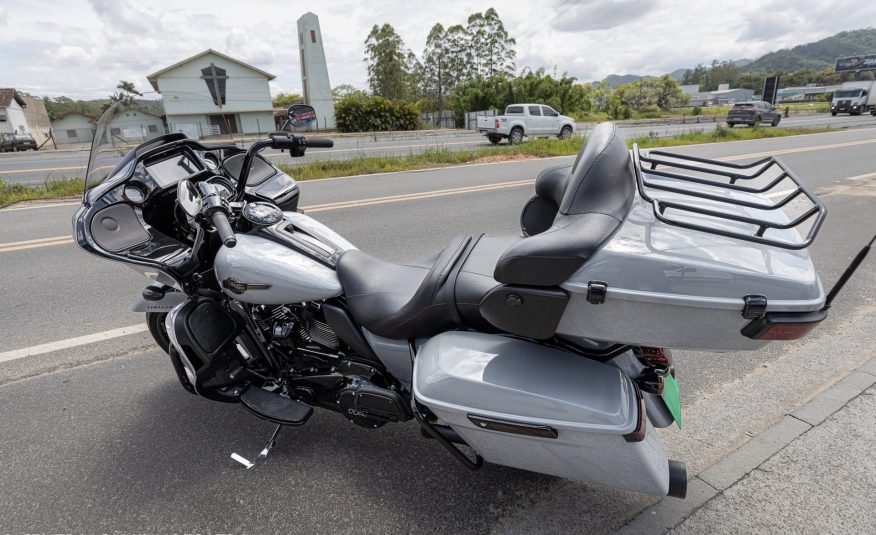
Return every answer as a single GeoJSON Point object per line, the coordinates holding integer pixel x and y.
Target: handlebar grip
{"type": "Point", "coordinates": [223, 227]}
{"type": "Point", "coordinates": [320, 142]}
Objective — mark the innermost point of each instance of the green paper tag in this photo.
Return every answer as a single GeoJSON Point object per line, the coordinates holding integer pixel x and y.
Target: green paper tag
{"type": "Point", "coordinates": [670, 397]}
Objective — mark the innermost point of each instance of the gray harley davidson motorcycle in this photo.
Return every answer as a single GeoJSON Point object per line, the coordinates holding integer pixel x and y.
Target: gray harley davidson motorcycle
{"type": "Point", "coordinates": [544, 350]}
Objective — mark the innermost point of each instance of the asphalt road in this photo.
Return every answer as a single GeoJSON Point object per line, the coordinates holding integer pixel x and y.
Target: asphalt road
{"type": "Point", "coordinates": [37, 167]}
{"type": "Point", "coordinates": [100, 437]}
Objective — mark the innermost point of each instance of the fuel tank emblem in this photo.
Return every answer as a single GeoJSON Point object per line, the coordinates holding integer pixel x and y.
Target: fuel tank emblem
{"type": "Point", "coordinates": [238, 286]}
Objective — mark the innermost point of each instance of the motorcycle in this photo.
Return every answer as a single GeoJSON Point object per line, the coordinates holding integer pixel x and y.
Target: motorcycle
{"type": "Point", "coordinates": [544, 351]}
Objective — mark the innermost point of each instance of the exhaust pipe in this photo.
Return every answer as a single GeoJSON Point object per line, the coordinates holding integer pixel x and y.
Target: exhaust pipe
{"type": "Point", "coordinates": [677, 479]}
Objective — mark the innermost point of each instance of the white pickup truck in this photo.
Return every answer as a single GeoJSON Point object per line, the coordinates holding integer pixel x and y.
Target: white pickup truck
{"type": "Point", "coordinates": [522, 120]}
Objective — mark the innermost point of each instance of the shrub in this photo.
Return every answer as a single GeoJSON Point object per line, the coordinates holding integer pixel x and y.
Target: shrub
{"type": "Point", "coordinates": [696, 111]}
{"type": "Point", "coordinates": [368, 114]}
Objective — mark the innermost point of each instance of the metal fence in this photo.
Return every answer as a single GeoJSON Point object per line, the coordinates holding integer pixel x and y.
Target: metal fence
{"type": "Point", "coordinates": [438, 119]}
{"type": "Point", "coordinates": [471, 118]}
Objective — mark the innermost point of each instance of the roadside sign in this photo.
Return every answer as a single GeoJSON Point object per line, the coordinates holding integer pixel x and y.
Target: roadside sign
{"type": "Point", "coordinates": [770, 89]}
{"type": "Point", "coordinates": [863, 62]}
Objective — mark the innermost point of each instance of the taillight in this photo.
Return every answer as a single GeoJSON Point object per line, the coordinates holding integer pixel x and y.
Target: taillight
{"type": "Point", "coordinates": [784, 325]}
{"type": "Point", "coordinates": [653, 356]}
{"type": "Point", "coordinates": [497, 123]}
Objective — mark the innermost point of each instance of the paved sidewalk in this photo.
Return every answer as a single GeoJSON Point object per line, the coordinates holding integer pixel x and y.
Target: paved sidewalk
{"type": "Point", "coordinates": [813, 472]}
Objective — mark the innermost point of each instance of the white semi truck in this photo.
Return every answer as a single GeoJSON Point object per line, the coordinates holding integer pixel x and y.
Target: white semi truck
{"type": "Point", "coordinates": [854, 98]}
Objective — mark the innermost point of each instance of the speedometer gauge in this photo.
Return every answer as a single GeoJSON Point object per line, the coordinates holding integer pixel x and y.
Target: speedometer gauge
{"type": "Point", "coordinates": [134, 194]}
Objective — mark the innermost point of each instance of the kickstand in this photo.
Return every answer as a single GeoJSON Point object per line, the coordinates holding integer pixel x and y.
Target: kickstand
{"type": "Point", "coordinates": [263, 455]}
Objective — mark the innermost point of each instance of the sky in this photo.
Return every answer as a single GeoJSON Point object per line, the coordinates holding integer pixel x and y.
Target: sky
{"type": "Point", "coordinates": [82, 48]}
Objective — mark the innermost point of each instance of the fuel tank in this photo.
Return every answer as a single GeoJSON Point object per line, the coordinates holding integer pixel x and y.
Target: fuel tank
{"type": "Point", "coordinates": [260, 271]}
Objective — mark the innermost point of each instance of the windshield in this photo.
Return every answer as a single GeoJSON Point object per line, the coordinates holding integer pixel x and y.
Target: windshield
{"type": "Point", "coordinates": [121, 128]}
{"type": "Point", "coordinates": [847, 93]}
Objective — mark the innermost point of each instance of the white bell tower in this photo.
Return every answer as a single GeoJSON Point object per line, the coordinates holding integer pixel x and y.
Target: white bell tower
{"type": "Point", "coordinates": [314, 73]}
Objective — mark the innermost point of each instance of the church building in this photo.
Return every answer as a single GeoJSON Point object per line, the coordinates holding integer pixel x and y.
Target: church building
{"type": "Point", "coordinates": [214, 94]}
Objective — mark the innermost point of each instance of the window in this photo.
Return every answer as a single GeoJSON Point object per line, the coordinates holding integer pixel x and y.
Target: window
{"type": "Point", "coordinates": [116, 131]}
{"type": "Point", "coordinates": [71, 133]}
{"type": "Point", "coordinates": [2, 118]}
{"type": "Point", "coordinates": [549, 112]}
{"type": "Point", "coordinates": [514, 110]}
{"type": "Point", "coordinates": [153, 128]}
{"type": "Point", "coordinates": [535, 110]}
{"type": "Point", "coordinates": [312, 36]}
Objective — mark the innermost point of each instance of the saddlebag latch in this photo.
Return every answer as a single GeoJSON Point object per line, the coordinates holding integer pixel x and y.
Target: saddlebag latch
{"type": "Point", "coordinates": [596, 291]}
{"type": "Point", "coordinates": [755, 307]}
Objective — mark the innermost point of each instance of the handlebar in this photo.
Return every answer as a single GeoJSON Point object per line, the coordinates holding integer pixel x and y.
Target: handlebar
{"type": "Point", "coordinates": [223, 227]}
{"type": "Point", "coordinates": [215, 209]}
{"type": "Point", "coordinates": [277, 140]}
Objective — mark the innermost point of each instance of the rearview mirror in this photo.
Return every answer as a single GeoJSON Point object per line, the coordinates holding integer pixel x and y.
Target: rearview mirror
{"type": "Point", "coordinates": [188, 198]}
{"type": "Point", "coordinates": [301, 115]}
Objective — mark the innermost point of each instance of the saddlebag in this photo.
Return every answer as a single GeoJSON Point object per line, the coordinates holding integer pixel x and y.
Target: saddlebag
{"type": "Point", "coordinates": [532, 407]}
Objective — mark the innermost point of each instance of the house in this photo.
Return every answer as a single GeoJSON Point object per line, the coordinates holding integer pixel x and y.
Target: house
{"type": "Point", "coordinates": [23, 114]}
{"type": "Point", "coordinates": [74, 127]}
{"type": "Point", "coordinates": [134, 124]}
{"type": "Point", "coordinates": [214, 94]}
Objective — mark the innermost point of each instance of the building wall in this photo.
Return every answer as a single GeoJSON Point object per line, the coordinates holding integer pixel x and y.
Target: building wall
{"type": "Point", "coordinates": [38, 123]}
{"type": "Point", "coordinates": [135, 125]}
{"type": "Point", "coordinates": [314, 72]}
{"type": "Point", "coordinates": [185, 92]}
{"type": "Point", "coordinates": [16, 122]}
{"type": "Point", "coordinates": [78, 125]}
{"type": "Point", "coordinates": [256, 122]}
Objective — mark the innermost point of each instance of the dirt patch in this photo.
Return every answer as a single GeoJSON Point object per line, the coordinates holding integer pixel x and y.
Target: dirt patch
{"type": "Point", "coordinates": [864, 186]}
{"type": "Point", "coordinates": [504, 158]}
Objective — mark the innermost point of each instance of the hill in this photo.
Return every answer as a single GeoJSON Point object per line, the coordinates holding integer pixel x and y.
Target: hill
{"type": "Point", "coordinates": [818, 55]}
{"type": "Point", "coordinates": [614, 80]}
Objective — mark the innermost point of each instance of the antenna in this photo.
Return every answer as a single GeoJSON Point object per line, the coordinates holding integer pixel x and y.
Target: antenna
{"type": "Point", "coordinates": [847, 274]}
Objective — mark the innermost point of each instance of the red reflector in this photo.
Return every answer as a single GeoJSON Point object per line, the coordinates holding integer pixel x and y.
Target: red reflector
{"type": "Point", "coordinates": [655, 355]}
{"type": "Point", "coordinates": [497, 123]}
{"type": "Point", "coordinates": [786, 331]}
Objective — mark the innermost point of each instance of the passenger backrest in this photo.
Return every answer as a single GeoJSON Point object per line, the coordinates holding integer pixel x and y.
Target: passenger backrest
{"type": "Point", "coordinates": [591, 202]}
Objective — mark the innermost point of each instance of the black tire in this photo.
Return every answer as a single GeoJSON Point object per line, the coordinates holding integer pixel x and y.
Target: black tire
{"type": "Point", "coordinates": [731, 125]}
{"type": "Point", "coordinates": [565, 132]}
{"type": "Point", "coordinates": [833, 113]}
{"type": "Point", "coordinates": [776, 121]}
{"type": "Point", "coordinates": [494, 139]}
{"type": "Point", "coordinates": [516, 136]}
{"type": "Point", "coordinates": [155, 322]}
{"type": "Point", "coordinates": [756, 122]}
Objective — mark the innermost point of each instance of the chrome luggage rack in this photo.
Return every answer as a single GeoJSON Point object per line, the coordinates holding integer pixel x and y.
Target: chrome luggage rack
{"type": "Point", "coordinates": [705, 195]}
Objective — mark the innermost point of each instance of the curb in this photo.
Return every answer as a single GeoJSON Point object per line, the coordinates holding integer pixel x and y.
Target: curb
{"type": "Point", "coordinates": [668, 513]}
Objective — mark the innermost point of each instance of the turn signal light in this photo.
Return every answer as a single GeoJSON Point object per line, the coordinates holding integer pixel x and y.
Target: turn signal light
{"type": "Point", "coordinates": [653, 356]}
{"type": "Point", "coordinates": [784, 325]}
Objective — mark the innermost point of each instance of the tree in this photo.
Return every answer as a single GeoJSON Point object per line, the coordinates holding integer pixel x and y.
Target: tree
{"type": "Point", "coordinates": [126, 95]}
{"type": "Point", "coordinates": [388, 63]}
{"type": "Point", "coordinates": [492, 46]}
{"type": "Point", "coordinates": [284, 100]}
{"type": "Point", "coordinates": [344, 91]}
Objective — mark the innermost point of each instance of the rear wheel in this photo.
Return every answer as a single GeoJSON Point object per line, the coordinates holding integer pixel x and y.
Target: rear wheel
{"type": "Point", "coordinates": [565, 132]}
{"type": "Point", "coordinates": [155, 323]}
{"type": "Point", "coordinates": [731, 125]}
{"type": "Point", "coordinates": [494, 139]}
{"type": "Point", "coordinates": [833, 113]}
{"type": "Point", "coordinates": [516, 136]}
{"type": "Point", "coordinates": [756, 122]}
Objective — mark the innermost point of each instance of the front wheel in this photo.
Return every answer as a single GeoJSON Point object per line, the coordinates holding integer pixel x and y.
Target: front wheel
{"type": "Point", "coordinates": [516, 136]}
{"type": "Point", "coordinates": [833, 113]}
{"type": "Point", "coordinates": [155, 323]}
{"type": "Point", "coordinates": [565, 132]}
{"type": "Point", "coordinates": [776, 121]}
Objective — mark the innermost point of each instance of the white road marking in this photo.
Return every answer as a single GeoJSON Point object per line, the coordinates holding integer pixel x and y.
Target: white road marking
{"type": "Point", "coordinates": [35, 206]}
{"type": "Point", "coordinates": [71, 342]}
{"type": "Point", "coordinates": [33, 244]}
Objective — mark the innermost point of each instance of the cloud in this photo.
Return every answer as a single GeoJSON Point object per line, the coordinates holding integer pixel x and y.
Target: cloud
{"type": "Point", "coordinates": [4, 16]}
{"type": "Point", "coordinates": [599, 15]}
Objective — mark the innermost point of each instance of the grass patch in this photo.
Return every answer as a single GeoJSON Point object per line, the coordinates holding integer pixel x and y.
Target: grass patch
{"type": "Point", "coordinates": [11, 192]}
{"type": "Point", "coordinates": [366, 165]}
{"type": "Point", "coordinates": [721, 133]}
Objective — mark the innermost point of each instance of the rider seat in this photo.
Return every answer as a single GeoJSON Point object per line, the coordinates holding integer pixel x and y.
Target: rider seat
{"type": "Point", "coordinates": [575, 210]}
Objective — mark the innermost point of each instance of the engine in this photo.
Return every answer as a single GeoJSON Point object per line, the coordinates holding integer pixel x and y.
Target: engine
{"type": "Point", "coordinates": [322, 372]}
